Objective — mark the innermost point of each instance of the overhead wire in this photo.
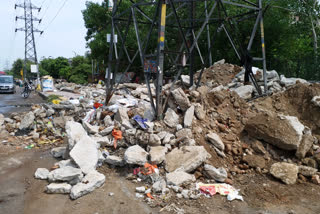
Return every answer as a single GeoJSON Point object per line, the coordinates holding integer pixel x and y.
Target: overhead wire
{"type": "Point", "coordinates": [60, 9]}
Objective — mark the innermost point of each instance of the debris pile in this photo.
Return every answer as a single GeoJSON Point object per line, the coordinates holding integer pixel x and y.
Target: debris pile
{"type": "Point", "coordinates": [208, 136]}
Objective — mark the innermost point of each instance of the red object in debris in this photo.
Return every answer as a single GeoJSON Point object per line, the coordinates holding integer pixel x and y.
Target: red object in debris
{"type": "Point", "coordinates": [150, 169]}
{"type": "Point", "coordinates": [136, 171]}
{"type": "Point", "coordinates": [211, 190]}
{"type": "Point", "coordinates": [117, 134]}
{"type": "Point", "coordinates": [149, 195]}
{"type": "Point", "coordinates": [97, 105]}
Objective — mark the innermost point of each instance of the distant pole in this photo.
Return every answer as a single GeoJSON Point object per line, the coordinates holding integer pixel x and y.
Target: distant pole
{"type": "Point", "coordinates": [30, 54]}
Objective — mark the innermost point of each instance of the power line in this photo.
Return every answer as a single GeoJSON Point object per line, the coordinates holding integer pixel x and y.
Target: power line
{"type": "Point", "coordinates": [64, 3]}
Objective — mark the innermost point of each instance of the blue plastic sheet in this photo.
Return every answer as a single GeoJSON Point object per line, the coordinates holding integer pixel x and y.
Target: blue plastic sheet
{"type": "Point", "coordinates": [141, 122]}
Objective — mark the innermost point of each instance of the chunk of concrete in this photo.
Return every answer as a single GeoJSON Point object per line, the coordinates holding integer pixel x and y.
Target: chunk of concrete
{"type": "Point", "coordinates": [106, 131]}
{"type": "Point", "coordinates": [158, 154]}
{"type": "Point", "coordinates": [58, 188]}
{"type": "Point", "coordinates": [181, 99]}
{"type": "Point", "coordinates": [75, 132]}
{"type": "Point", "coordinates": [286, 172]}
{"type": "Point", "coordinates": [305, 145]}
{"type": "Point", "coordinates": [187, 158]}
{"type": "Point", "coordinates": [185, 79]}
{"type": "Point", "coordinates": [184, 133]}
{"type": "Point", "coordinates": [188, 117]}
{"type": "Point", "coordinates": [154, 140]}
{"type": "Point", "coordinates": [1, 119]}
{"type": "Point", "coordinates": [103, 141]}
{"type": "Point", "coordinates": [85, 154]}
{"type": "Point", "coordinates": [284, 132]}
{"type": "Point", "coordinates": [171, 119]}
{"type": "Point", "coordinates": [159, 186]}
{"type": "Point", "coordinates": [108, 121]}
{"type": "Point", "coordinates": [67, 173]}
{"type": "Point", "coordinates": [307, 171]}
{"type": "Point", "coordinates": [215, 140]}
{"type": "Point", "coordinates": [179, 178]}
{"type": "Point", "coordinates": [41, 173]}
{"type": "Point", "coordinates": [27, 121]}
{"type": "Point", "coordinates": [135, 155]}
{"type": "Point", "coordinates": [90, 182]}
{"type": "Point", "coordinates": [114, 160]}
{"type": "Point", "coordinates": [64, 163]}
{"type": "Point", "coordinates": [245, 91]}
{"type": "Point", "coordinates": [218, 174]}
{"type": "Point", "coordinates": [199, 112]}
{"type": "Point", "coordinates": [121, 115]}
{"type": "Point", "coordinates": [58, 151]}
{"type": "Point", "coordinates": [254, 161]}
{"type": "Point", "coordinates": [89, 128]}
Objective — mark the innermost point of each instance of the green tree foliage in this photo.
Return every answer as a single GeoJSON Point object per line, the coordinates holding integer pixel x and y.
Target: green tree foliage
{"type": "Point", "coordinates": [16, 68]}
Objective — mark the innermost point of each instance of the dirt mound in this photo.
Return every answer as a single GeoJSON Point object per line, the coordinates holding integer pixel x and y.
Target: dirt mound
{"type": "Point", "coordinates": [296, 101]}
{"type": "Point", "coordinates": [219, 74]}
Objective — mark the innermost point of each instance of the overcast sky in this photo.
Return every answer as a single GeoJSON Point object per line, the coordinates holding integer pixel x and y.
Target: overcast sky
{"type": "Point", "coordinates": [63, 37]}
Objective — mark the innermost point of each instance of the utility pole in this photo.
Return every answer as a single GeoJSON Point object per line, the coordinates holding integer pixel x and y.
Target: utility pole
{"type": "Point", "coordinates": [30, 53]}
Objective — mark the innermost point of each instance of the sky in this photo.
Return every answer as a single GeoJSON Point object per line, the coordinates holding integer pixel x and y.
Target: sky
{"type": "Point", "coordinates": [63, 36]}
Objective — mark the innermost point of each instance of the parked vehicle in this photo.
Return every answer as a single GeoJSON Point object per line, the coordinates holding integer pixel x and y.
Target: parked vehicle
{"type": "Point", "coordinates": [7, 84]}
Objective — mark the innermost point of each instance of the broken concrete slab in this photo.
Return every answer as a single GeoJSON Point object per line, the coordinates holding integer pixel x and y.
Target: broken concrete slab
{"type": "Point", "coordinates": [285, 132]}
{"type": "Point", "coordinates": [179, 178]}
{"type": "Point", "coordinates": [286, 172]}
{"type": "Point", "coordinates": [1, 119]}
{"type": "Point", "coordinates": [67, 173]}
{"type": "Point", "coordinates": [307, 171]}
{"type": "Point", "coordinates": [64, 163]}
{"type": "Point", "coordinates": [305, 145]}
{"type": "Point", "coordinates": [41, 173]}
{"type": "Point", "coordinates": [154, 140]}
{"type": "Point", "coordinates": [85, 154]}
{"type": "Point", "coordinates": [75, 132]}
{"type": "Point", "coordinates": [58, 152]}
{"type": "Point", "coordinates": [245, 91]}
{"type": "Point", "coordinates": [90, 182]}
{"type": "Point", "coordinates": [171, 119]}
{"type": "Point", "coordinates": [114, 160]}
{"type": "Point", "coordinates": [186, 159]}
{"type": "Point", "coordinates": [103, 141]}
{"type": "Point", "coordinates": [135, 155]}
{"type": "Point", "coordinates": [121, 115]}
{"type": "Point", "coordinates": [199, 112]}
{"type": "Point", "coordinates": [108, 121]}
{"type": "Point", "coordinates": [218, 174]}
{"type": "Point", "coordinates": [27, 121]}
{"type": "Point", "coordinates": [254, 161]}
{"type": "Point", "coordinates": [159, 186]}
{"type": "Point", "coordinates": [181, 99]}
{"type": "Point", "coordinates": [184, 133]}
{"type": "Point", "coordinates": [215, 140]}
{"type": "Point", "coordinates": [106, 131]}
{"type": "Point", "coordinates": [157, 154]}
{"type": "Point", "coordinates": [89, 128]}
{"type": "Point", "coordinates": [188, 117]}
{"type": "Point", "coordinates": [58, 188]}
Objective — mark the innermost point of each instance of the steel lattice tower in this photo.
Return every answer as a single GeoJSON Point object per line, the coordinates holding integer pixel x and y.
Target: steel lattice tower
{"type": "Point", "coordinates": [30, 54]}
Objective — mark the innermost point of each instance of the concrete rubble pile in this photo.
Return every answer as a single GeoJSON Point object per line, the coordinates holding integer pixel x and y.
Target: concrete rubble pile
{"type": "Point", "coordinates": [170, 156]}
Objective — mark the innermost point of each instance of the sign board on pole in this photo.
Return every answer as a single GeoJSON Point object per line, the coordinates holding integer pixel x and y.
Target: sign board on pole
{"type": "Point", "coordinates": [115, 38]}
{"type": "Point", "coordinates": [34, 68]}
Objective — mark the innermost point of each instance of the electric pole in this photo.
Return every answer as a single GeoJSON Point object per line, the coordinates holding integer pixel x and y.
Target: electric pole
{"type": "Point", "coordinates": [30, 53]}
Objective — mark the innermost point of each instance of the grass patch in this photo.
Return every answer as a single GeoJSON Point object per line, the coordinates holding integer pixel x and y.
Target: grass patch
{"type": "Point", "coordinates": [53, 97]}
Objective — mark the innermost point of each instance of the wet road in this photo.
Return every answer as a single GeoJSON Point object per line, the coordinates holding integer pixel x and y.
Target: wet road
{"type": "Point", "coordinates": [16, 103]}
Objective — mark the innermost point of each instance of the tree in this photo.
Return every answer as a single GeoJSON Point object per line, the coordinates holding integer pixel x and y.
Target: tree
{"type": "Point", "coordinates": [17, 66]}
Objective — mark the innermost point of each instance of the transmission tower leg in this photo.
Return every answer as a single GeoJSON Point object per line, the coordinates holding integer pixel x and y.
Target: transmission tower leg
{"type": "Point", "coordinates": [191, 42]}
{"type": "Point", "coordinates": [263, 49]}
{"type": "Point", "coordinates": [161, 39]}
{"type": "Point", "coordinates": [208, 37]}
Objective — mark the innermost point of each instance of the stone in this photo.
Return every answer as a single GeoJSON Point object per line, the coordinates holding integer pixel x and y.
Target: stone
{"type": "Point", "coordinates": [185, 194]}
{"type": "Point", "coordinates": [75, 132]}
{"type": "Point", "coordinates": [179, 178]}
{"type": "Point", "coordinates": [108, 121]}
{"type": "Point", "coordinates": [181, 99]}
{"type": "Point", "coordinates": [305, 145]}
{"type": "Point", "coordinates": [85, 154]}
{"type": "Point", "coordinates": [159, 186]}
{"type": "Point", "coordinates": [258, 147]}
{"type": "Point", "coordinates": [162, 135]}
{"type": "Point", "coordinates": [290, 81]}
{"type": "Point", "coordinates": [158, 154]}
{"type": "Point", "coordinates": [179, 127]}
{"type": "Point", "coordinates": [50, 112]}
{"type": "Point", "coordinates": [27, 121]}
{"type": "Point", "coordinates": [315, 101]}
{"type": "Point", "coordinates": [64, 163]}
{"type": "Point", "coordinates": [154, 140]}
{"type": "Point", "coordinates": [141, 189]}
{"type": "Point", "coordinates": [89, 128]}
{"type": "Point", "coordinates": [245, 91]}
{"type": "Point", "coordinates": [121, 115]}
{"type": "Point", "coordinates": [41, 173]}
{"type": "Point", "coordinates": [135, 155]}
{"type": "Point", "coordinates": [307, 171]}
{"type": "Point", "coordinates": [58, 152]}
{"type": "Point", "coordinates": [103, 141]}
{"type": "Point", "coordinates": [59, 122]}
{"type": "Point", "coordinates": [90, 182]}
{"type": "Point", "coordinates": [114, 160]}
{"type": "Point", "coordinates": [171, 119]}
{"type": "Point", "coordinates": [126, 124]}
{"type": "Point", "coordinates": [188, 117]}
{"type": "Point", "coordinates": [1, 119]}
{"type": "Point", "coordinates": [184, 133]}
{"type": "Point", "coordinates": [285, 132]}
{"type": "Point", "coordinates": [218, 174]}
{"type": "Point", "coordinates": [187, 158]}
{"type": "Point", "coordinates": [315, 179]}
{"type": "Point", "coordinates": [58, 188]}
{"type": "Point", "coordinates": [185, 79]}
{"type": "Point", "coordinates": [168, 138]}
{"type": "Point", "coordinates": [286, 172]}
{"type": "Point", "coordinates": [199, 112]}
{"type": "Point", "coordinates": [254, 161]}
{"type": "Point", "coordinates": [67, 173]}
{"type": "Point", "coordinates": [215, 140]}
{"type": "Point", "coordinates": [106, 131]}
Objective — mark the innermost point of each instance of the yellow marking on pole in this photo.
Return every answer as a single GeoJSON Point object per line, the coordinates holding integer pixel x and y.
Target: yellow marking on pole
{"type": "Point", "coordinates": [163, 14]}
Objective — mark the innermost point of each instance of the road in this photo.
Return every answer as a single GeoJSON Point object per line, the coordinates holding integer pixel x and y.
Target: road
{"type": "Point", "coordinates": [16, 103]}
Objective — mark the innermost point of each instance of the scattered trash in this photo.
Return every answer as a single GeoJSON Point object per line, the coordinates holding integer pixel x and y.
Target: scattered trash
{"type": "Point", "coordinates": [29, 146]}
{"type": "Point", "coordinates": [56, 101]}
{"type": "Point", "coordinates": [111, 194]}
{"type": "Point", "coordinates": [141, 122]}
{"type": "Point", "coordinates": [117, 134]}
{"type": "Point", "coordinates": [149, 169]}
{"type": "Point", "coordinates": [97, 105]}
{"type": "Point", "coordinates": [89, 116]}
{"type": "Point", "coordinates": [149, 195]}
{"type": "Point", "coordinates": [222, 189]}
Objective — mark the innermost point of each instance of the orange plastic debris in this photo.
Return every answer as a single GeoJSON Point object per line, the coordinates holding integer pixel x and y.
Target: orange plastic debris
{"type": "Point", "coordinates": [97, 105]}
{"type": "Point", "coordinates": [117, 134]}
{"type": "Point", "coordinates": [149, 195]}
{"type": "Point", "coordinates": [150, 169]}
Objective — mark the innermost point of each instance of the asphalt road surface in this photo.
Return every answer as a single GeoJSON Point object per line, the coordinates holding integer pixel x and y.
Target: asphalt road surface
{"type": "Point", "coordinates": [16, 103]}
